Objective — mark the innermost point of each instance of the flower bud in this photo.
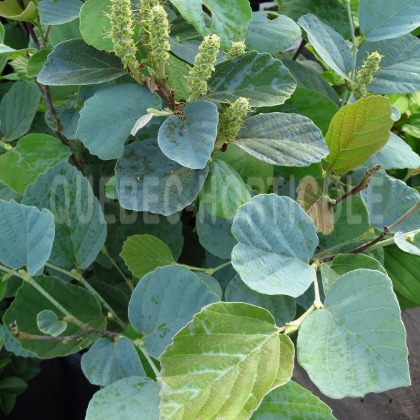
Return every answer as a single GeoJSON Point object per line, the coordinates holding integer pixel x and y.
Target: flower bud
{"type": "Point", "coordinates": [236, 49]}
{"type": "Point", "coordinates": [231, 120]}
{"type": "Point", "coordinates": [365, 74]}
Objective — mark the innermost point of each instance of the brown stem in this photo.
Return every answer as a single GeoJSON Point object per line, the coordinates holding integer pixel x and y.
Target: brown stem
{"type": "Point", "coordinates": [299, 50]}
{"type": "Point", "coordinates": [45, 91]}
{"type": "Point", "coordinates": [29, 27]}
{"type": "Point", "coordinates": [364, 183]}
{"type": "Point", "coordinates": [66, 339]}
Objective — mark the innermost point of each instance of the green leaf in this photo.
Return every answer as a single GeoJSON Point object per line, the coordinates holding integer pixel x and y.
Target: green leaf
{"type": "Point", "coordinates": [29, 303]}
{"type": "Point", "coordinates": [36, 62]}
{"type": "Point", "coordinates": [125, 399]}
{"type": "Point", "coordinates": [395, 154]}
{"type": "Point", "coordinates": [144, 253]}
{"type": "Point", "coordinates": [387, 199]}
{"type": "Point", "coordinates": [108, 361]}
{"type": "Point", "coordinates": [111, 114]}
{"type": "Point", "coordinates": [79, 221]}
{"type": "Point", "coordinates": [316, 204]}
{"type": "Point", "coordinates": [225, 344]}
{"type": "Point", "coordinates": [331, 12]}
{"type": "Point", "coordinates": [403, 268]}
{"type": "Point", "coordinates": [48, 323]}
{"type": "Point", "coordinates": [408, 246]}
{"type": "Point", "coordinates": [190, 141]}
{"type": "Point", "coordinates": [307, 77]}
{"type": "Point", "coordinates": [58, 11]}
{"type": "Point", "coordinates": [75, 63]}
{"type": "Point", "coordinates": [356, 343]}
{"type": "Point", "coordinates": [12, 385]}
{"type": "Point", "coordinates": [224, 190]}
{"type": "Point", "coordinates": [257, 174]}
{"type": "Point", "coordinates": [282, 139]}
{"type": "Point", "coordinates": [229, 20]}
{"type": "Point", "coordinates": [148, 181]}
{"type": "Point", "coordinates": [10, 9]}
{"type": "Point", "coordinates": [259, 77]}
{"type": "Point", "coordinates": [163, 302]}
{"type": "Point", "coordinates": [312, 104]}
{"type": "Point", "coordinates": [283, 308]}
{"type": "Point", "coordinates": [65, 32]}
{"type": "Point", "coordinates": [17, 110]}
{"type": "Point", "coordinates": [344, 263]}
{"type": "Point", "coordinates": [388, 19]}
{"type": "Point", "coordinates": [95, 24]}
{"type": "Point", "coordinates": [329, 44]}
{"type": "Point", "coordinates": [276, 239]}
{"type": "Point", "coordinates": [292, 401]}
{"type": "Point", "coordinates": [412, 126]}
{"type": "Point", "coordinates": [177, 72]}
{"type": "Point", "coordinates": [34, 154]}
{"type": "Point", "coordinates": [358, 131]}
{"type": "Point", "coordinates": [399, 70]}
{"type": "Point", "coordinates": [26, 236]}
{"type": "Point", "coordinates": [214, 233]}
{"type": "Point", "coordinates": [270, 32]}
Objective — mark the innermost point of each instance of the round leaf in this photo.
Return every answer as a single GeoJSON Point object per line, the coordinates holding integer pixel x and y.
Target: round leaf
{"type": "Point", "coordinates": [163, 302]}
{"type": "Point", "coordinates": [356, 343]}
{"type": "Point", "coordinates": [26, 236]}
{"type": "Point", "coordinates": [58, 11]}
{"type": "Point", "coordinates": [148, 181]}
{"type": "Point", "coordinates": [276, 239]}
{"type": "Point", "coordinates": [48, 323]}
{"type": "Point", "coordinates": [226, 344]}
{"type": "Point", "coordinates": [404, 245]}
{"type": "Point", "coordinates": [190, 141]}
{"type": "Point", "coordinates": [111, 114]}
{"type": "Point", "coordinates": [125, 399]}
{"type": "Point", "coordinates": [107, 362]}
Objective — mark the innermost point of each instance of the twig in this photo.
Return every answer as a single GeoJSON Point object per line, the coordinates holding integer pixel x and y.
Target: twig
{"type": "Point", "coordinates": [364, 183]}
{"type": "Point", "coordinates": [299, 50]}
{"type": "Point", "coordinates": [117, 267]}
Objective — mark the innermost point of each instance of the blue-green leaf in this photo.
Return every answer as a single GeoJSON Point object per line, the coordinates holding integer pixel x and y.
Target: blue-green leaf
{"type": "Point", "coordinates": [58, 11]}
{"type": "Point", "coordinates": [214, 233]}
{"type": "Point", "coordinates": [75, 63]}
{"type": "Point", "coordinates": [329, 44]}
{"type": "Point", "coordinates": [109, 115]}
{"type": "Point", "coordinates": [190, 141]}
{"type": "Point", "coordinates": [17, 110]}
{"type": "Point", "coordinates": [48, 323]}
{"type": "Point", "coordinates": [283, 139]}
{"type": "Point", "coordinates": [411, 247]}
{"type": "Point", "coordinates": [148, 181]}
{"type": "Point", "coordinates": [356, 343]}
{"type": "Point", "coordinates": [224, 190]}
{"type": "Point", "coordinates": [399, 70]}
{"type": "Point", "coordinates": [276, 239]}
{"type": "Point", "coordinates": [79, 221]}
{"type": "Point", "coordinates": [396, 154]}
{"type": "Point", "coordinates": [291, 402]}
{"type": "Point", "coordinates": [388, 18]}
{"type": "Point", "coordinates": [107, 362]}
{"type": "Point", "coordinates": [270, 32]}
{"type": "Point", "coordinates": [259, 77]}
{"type": "Point", "coordinates": [387, 199]}
{"type": "Point", "coordinates": [229, 20]}
{"type": "Point", "coordinates": [125, 399]}
{"type": "Point", "coordinates": [163, 302]}
{"type": "Point", "coordinates": [26, 236]}
{"type": "Point", "coordinates": [283, 308]}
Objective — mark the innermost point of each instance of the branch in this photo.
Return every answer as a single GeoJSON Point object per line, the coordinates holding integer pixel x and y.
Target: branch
{"type": "Point", "coordinates": [65, 339]}
{"type": "Point", "coordinates": [364, 183]}
{"type": "Point", "coordinates": [299, 50]}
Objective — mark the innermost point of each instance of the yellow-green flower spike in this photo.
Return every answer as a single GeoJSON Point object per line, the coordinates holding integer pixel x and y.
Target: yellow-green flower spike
{"type": "Point", "coordinates": [236, 49]}
{"type": "Point", "coordinates": [231, 120]}
{"type": "Point", "coordinates": [158, 43]}
{"type": "Point", "coordinates": [365, 74]}
{"type": "Point", "coordinates": [203, 66]}
{"type": "Point", "coordinates": [122, 31]}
